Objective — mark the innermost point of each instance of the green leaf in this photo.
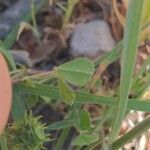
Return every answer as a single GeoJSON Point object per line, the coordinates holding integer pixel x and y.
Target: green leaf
{"type": "Point", "coordinates": [61, 124]}
{"type": "Point", "coordinates": [3, 142]}
{"type": "Point", "coordinates": [8, 57]}
{"type": "Point", "coordinates": [18, 107]}
{"type": "Point", "coordinates": [135, 132]}
{"type": "Point", "coordinates": [84, 120]}
{"type": "Point", "coordinates": [65, 92]}
{"type": "Point", "coordinates": [30, 101]}
{"type": "Point", "coordinates": [85, 139]}
{"type": "Point", "coordinates": [146, 12]}
{"type": "Point", "coordinates": [130, 44]}
{"type": "Point", "coordinates": [141, 71]}
{"type": "Point", "coordinates": [111, 56]}
{"type": "Point", "coordinates": [77, 72]}
{"type": "Point", "coordinates": [46, 99]}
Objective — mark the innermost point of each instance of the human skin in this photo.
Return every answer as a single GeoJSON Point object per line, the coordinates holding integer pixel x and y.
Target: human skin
{"type": "Point", "coordinates": [5, 93]}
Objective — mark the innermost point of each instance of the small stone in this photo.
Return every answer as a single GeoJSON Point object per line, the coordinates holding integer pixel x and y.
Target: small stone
{"type": "Point", "coordinates": [91, 39]}
{"type": "Point", "coordinates": [22, 57]}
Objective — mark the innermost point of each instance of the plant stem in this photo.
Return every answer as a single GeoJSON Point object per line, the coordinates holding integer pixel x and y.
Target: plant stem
{"type": "Point", "coordinates": [27, 75]}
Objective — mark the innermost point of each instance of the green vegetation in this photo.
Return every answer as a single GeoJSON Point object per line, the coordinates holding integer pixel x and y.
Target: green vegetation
{"type": "Point", "coordinates": [68, 84]}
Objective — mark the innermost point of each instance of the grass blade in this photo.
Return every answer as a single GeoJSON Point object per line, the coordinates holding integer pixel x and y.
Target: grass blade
{"type": "Point", "coordinates": [61, 124]}
{"type": "Point", "coordinates": [111, 56]}
{"type": "Point", "coordinates": [8, 57]}
{"type": "Point", "coordinates": [144, 87]}
{"type": "Point", "coordinates": [3, 142]}
{"type": "Point", "coordinates": [134, 133]}
{"type": "Point", "coordinates": [82, 97]}
{"type": "Point", "coordinates": [62, 139]}
{"type": "Point", "coordinates": [130, 43]}
{"type": "Point", "coordinates": [18, 107]}
{"type": "Point", "coordinates": [141, 71]}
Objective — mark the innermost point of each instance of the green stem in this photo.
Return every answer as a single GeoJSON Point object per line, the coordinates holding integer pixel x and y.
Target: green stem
{"type": "Point", "coordinates": [41, 77]}
{"type": "Point", "coordinates": [134, 133]}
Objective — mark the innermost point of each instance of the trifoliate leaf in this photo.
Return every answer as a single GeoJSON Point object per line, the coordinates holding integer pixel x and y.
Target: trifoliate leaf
{"type": "Point", "coordinates": [65, 92]}
{"type": "Point", "coordinates": [77, 72]}
{"type": "Point", "coordinates": [84, 120]}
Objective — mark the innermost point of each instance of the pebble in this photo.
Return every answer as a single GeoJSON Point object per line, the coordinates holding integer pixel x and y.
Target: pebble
{"type": "Point", "coordinates": [91, 39]}
{"type": "Point", "coordinates": [22, 57]}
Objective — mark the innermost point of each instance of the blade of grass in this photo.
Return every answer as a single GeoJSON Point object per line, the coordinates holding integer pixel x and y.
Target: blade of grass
{"type": "Point", "coordinates": [130, 44]}
{"type": "Point", "coordinates": [111, 56]}
{"type": "Point", "coordinates": [61, 124]}
{"type": "Point", "coordinates": [66, 129]}
{"type": "Point", "coordinates": [143, 88]}
{"type": "Point", "coordinates": [62, 138]}
{"type": "Point", "coordinates": [82, 97]}
{"type": "Point", "coordinates": [133, 133]}
{"type": "Point", "coordinates": [18, 107]}
{"type": "Point", "coordinates": [141, 71]}
{"type": "Point", "coordinates": [33, 14]}
{"type": "Point", "coordinates": [8, 57]}
{"type": "Point", "coordinates": [3, 142]}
